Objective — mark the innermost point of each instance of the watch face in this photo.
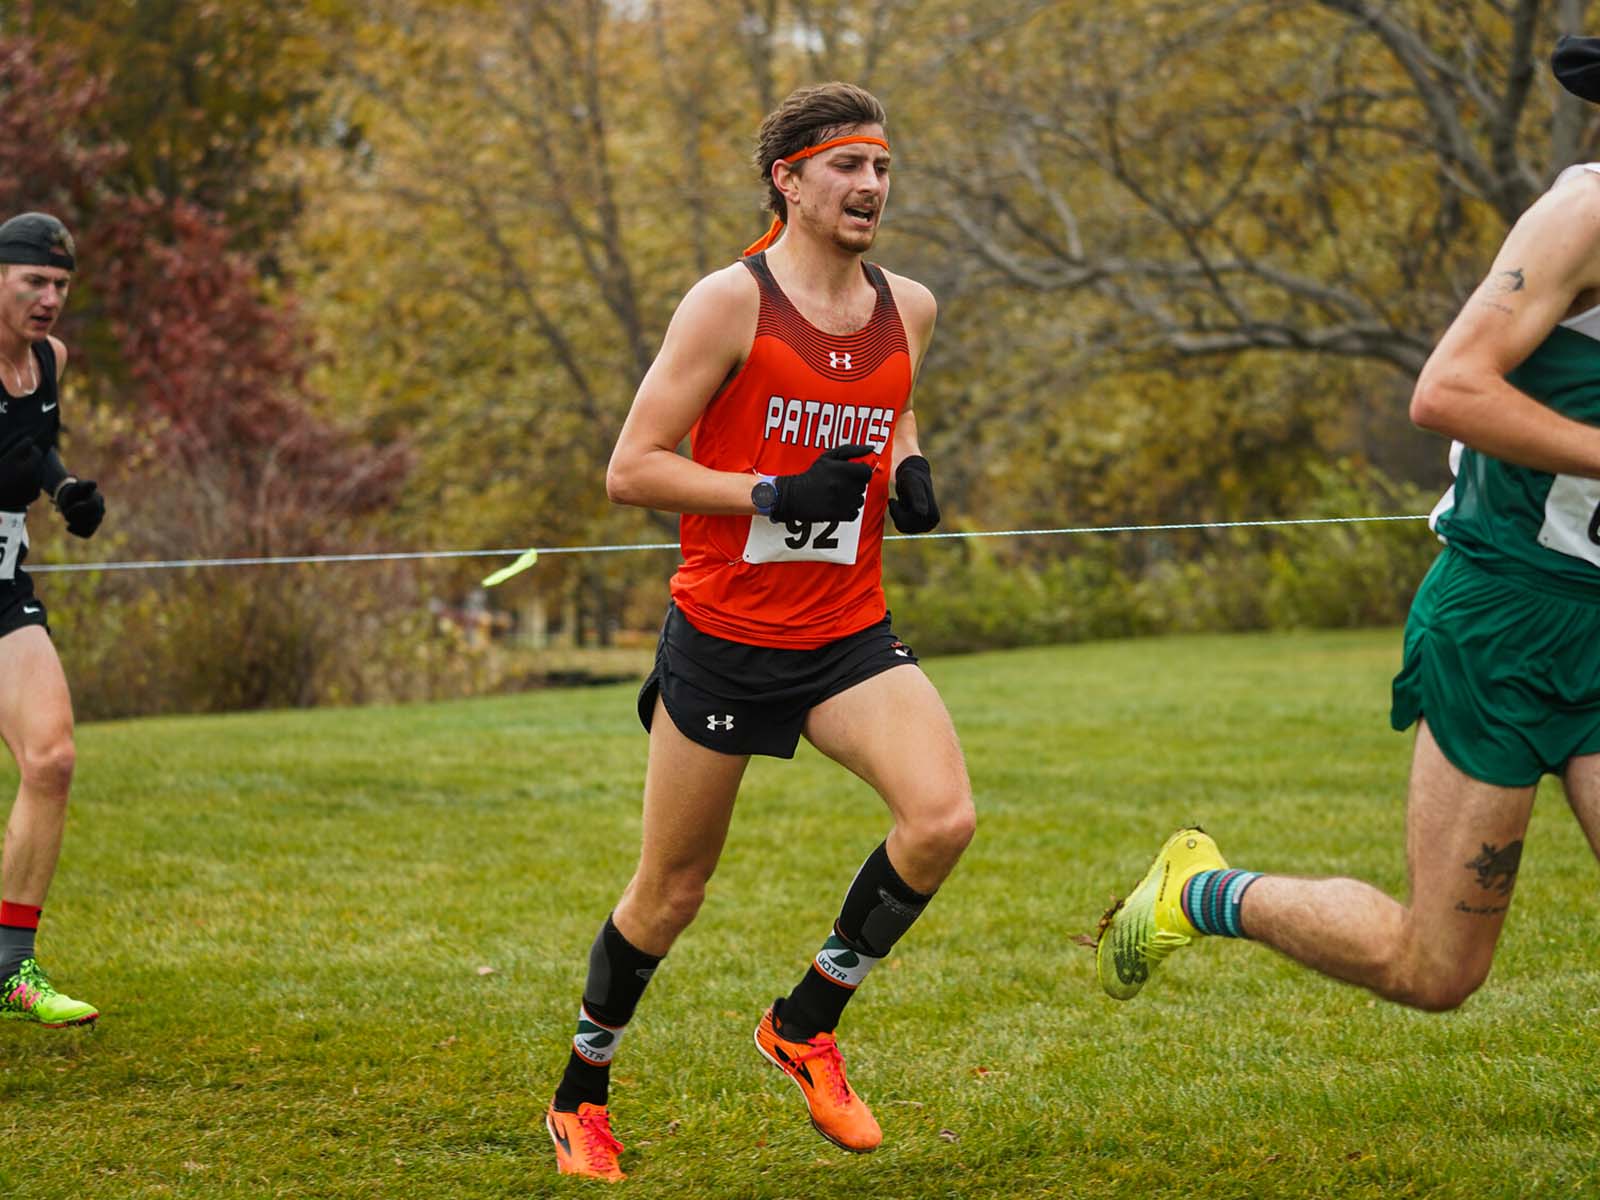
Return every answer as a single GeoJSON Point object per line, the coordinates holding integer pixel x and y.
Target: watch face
{"type": "Point", "coordinates": [764, 495]}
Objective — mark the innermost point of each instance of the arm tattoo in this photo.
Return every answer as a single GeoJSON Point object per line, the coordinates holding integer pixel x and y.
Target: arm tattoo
{"type": "Point", "coordinates": [1507, 281]}
{"type": "Point", "coordinates": [1501, 283]}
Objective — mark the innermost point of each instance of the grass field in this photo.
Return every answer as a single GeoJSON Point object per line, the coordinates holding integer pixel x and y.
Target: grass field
{"type": "Point", "coordinates": [285, 919]}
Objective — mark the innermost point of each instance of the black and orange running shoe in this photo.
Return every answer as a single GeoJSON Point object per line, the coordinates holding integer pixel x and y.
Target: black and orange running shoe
{"type": "Point", "coordinates": [817, 1068]}
{"type": "Point", "coordinates": [584, 1143]}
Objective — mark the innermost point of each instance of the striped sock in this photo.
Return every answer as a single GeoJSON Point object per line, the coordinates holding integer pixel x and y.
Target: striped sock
{"type": "Point", "coordinates": [1211, 900]}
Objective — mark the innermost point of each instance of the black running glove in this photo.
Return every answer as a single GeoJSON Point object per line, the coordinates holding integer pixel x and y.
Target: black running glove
{"type": "Point", "coordinates": [831, 489]}
{"type": "Point", "coordinates": [914, 510]}
{"type": "Point", "coordinates": [80, 502]}
{"type": "Point", "coordinates": [19, 475]}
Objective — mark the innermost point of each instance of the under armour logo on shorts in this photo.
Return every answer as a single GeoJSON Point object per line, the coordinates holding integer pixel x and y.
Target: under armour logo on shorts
{"type": "Point", "coordinates": [839, 362]}
{"type": "Point", "coordinates": [716, 723]}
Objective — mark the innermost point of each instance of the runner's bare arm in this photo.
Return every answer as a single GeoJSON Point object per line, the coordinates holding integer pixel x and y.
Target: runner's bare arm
{"type": "Point", "coordinates": [706, 343]}
{"type": "Point", "coordinates": [1550, 258]}
{"type": "Point", "coordinates": [918, 311]}
{"type": "Point", "coordinates": [905, 438]}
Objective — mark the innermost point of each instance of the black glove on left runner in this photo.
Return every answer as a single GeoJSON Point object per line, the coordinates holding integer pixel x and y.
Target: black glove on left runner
{"type": "Point", "coordinates": [80, 502]}
{"type": "Point", "coordinates": [914, 510]}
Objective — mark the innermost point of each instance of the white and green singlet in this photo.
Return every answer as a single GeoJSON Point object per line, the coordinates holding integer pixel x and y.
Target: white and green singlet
{"type": "Point", "coordinates": [1539, 527]}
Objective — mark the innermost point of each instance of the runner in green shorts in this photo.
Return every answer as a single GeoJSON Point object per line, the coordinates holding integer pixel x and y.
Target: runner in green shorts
{"type": "Point", "coordinates": [1501, 673]}
{"type": "Point", "coordinates": [1507, 675]}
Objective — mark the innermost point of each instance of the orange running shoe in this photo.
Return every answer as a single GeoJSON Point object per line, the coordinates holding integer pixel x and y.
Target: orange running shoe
{"type": "Point", "coordinates": [817, 1068]}
{"type": "Point", "coordinates": [584, 1144]}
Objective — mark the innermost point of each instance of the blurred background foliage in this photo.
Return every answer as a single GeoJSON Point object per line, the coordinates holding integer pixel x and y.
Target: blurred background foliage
{"type": "Point", "coordinates": [360, 276]}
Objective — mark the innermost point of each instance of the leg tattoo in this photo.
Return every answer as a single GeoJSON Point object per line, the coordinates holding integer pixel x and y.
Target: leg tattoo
{"type": "Point", "coordinates": [1496, 871]}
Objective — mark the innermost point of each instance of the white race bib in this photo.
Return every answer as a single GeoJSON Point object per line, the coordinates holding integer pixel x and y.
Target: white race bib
{"type": "Point", "coordinates": [1572, 518]}
{"type": "Point", "coordinates": [13, 537]}
{"type": "Point", "coordinates": [802, 541]}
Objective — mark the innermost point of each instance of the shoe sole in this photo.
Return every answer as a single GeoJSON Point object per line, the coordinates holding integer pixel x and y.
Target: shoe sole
{"type": "Point", "coordinates": [768, 1056]}
{"type": "Point", "coordinates": [89, 1020]}
{"type": "Point", "coordinates": [1109, 916]}
{"type": "Point", "coordinates": [1101, 948]}
{"type": "Point", "coordinates": [1108, 919]}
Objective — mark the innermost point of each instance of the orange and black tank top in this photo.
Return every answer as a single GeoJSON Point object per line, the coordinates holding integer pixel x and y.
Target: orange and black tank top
{"type": "Point", "coordinates": [796, 585]}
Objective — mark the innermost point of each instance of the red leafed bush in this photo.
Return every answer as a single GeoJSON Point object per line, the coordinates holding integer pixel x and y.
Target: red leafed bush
{"type": "Point", "coordinates": [187, 398]}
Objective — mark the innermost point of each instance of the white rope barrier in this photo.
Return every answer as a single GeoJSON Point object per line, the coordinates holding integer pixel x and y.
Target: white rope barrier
{"type": "Point", "coordinates": [278, 560]}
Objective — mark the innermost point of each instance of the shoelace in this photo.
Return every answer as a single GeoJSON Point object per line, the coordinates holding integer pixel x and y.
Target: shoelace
{"type": "Point", "coordinates": [597, 1134]}
{"type": "Point", "coordinates": [824, 1048]}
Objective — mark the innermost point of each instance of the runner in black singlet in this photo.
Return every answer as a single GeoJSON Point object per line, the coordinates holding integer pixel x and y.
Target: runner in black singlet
{"type": "Point", "coordinates": [36, 265]}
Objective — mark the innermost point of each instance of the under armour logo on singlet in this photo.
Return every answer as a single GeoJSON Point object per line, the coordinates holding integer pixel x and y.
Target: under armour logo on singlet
{"type": "Point", "coordinates": [716, 723]}
{"type": "Point", "coordinates": [839, 362]}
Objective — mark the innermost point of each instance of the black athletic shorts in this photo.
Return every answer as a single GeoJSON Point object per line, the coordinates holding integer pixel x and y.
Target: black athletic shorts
{"type": "Point", "coordinates": [19, 607]}
{"type": "Point", "coordinates": [743, 699]}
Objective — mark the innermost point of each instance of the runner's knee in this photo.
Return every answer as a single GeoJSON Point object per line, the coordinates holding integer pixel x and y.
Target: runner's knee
{"type": "Point", "coordinates": [667, 903]}
{"type": "Point", "coordinates": [47, 767]}
{"type": "Point", "coordinates": [1435, 984]}
{"type": "Point", "coordinates": [1440, 993]}
{"type": "Point", "coordinates": [944, 829]}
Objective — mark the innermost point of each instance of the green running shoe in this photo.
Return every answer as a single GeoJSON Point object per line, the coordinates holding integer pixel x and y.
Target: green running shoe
{"type": "Point", "coordinates": [29, 996]}
{"type": "Point", "coordinates": [1137, 933]}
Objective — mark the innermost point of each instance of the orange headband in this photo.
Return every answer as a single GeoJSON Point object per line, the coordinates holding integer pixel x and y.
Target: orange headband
{"type": "Point", "coordinates": [776, 228]}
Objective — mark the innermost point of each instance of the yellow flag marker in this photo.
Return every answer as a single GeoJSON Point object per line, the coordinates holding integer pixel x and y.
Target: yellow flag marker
{"type": "Point", "coordinates": [527, 559]}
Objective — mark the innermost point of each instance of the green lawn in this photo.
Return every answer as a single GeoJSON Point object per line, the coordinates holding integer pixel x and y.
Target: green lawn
{"type": "Point", "coordinates": [285, 920]}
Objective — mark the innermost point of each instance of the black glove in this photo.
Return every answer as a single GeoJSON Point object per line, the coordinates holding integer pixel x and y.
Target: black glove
{"type": "Point", "coordinates": [19, 474]}
{"type": "Point", "coordinates": [80, 502]}
{"type": "Point", "coordinates": [914, 510]}
{"type": "Point", "coordinates": [831, 489]}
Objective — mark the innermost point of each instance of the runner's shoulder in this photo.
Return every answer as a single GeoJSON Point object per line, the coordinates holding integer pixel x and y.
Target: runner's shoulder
{"type": "Point", "coordinates": [726, 291]}
{"type": "Point", "coordinates": [721, 308]}
{"type": "Point", "coordinates": [1572, 201]}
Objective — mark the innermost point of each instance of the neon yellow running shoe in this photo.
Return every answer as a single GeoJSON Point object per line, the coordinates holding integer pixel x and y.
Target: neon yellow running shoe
{"type": "Point", "coordinates": [1137, 933]}
{"type": "Point", "coordinates": [29, 996]}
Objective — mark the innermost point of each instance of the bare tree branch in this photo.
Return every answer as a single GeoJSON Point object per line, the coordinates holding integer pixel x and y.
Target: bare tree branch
{"type": "Point", "coordinates": [1230, 197]}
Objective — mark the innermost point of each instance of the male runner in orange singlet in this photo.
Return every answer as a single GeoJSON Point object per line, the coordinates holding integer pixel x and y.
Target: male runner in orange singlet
{"type": "Point", "coordinates": [791, 373]}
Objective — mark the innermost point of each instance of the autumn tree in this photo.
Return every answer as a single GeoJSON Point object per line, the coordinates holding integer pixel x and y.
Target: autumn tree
{"type": "Point", "coordinates": [518, 194]}
{"type": "Point", "coordinates": [1191, 256]}
{"type": "Point", "coordinates": [186, 398]}
{"type": "Point", "coordinates": [203, 97]}
{"type": "Point", "coordinates": [1323, 178]}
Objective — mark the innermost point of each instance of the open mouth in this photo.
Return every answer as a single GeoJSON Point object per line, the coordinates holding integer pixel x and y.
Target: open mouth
{"type": "Point", "coordinates": [862, 214]}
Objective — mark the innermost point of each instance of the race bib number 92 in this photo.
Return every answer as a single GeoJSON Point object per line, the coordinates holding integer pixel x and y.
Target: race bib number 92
{"type": "Point", "coordinates": [802, 541]}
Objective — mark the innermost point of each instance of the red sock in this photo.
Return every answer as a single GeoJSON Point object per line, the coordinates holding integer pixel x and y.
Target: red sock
{"type": "Point", "coordinates": [18, 924]}
{"type": "Point", "coordinates": [19, 916]}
